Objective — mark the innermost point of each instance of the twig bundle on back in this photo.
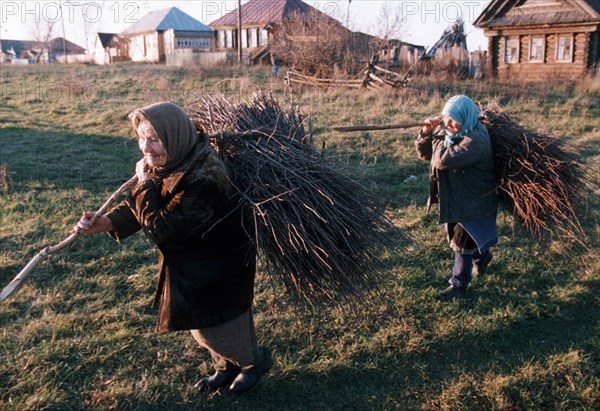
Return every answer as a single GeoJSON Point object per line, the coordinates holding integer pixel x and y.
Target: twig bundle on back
{"type": "Point", "coordinates": [540, 180]}
{"type": "Point", "coordinates": [316, 227]}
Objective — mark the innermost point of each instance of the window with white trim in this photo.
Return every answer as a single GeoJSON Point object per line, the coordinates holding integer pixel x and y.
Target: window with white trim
{"type": "Point", "coordinates": [183, 42]}
{"type": "Point", "coordinates": [264, 37]}
{"type": "Point", "coordinates": [512, 51]}
{"type": "Point", "coordinates": [536, 50]}
{"type": "Point", "coordinates": [564, 49]}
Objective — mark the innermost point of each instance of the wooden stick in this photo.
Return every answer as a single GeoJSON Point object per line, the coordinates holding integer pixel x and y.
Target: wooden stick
{"type": "Point", "coordinates": [47, 251]}
{"type": "Point", "coordinates": [374, 77]}
{"type": "Point", "coordinates": [382, 127]}
{"type": "Point", "coordinates": [387, 71]}
{"type": "Point", "coordinates": [324, 80]}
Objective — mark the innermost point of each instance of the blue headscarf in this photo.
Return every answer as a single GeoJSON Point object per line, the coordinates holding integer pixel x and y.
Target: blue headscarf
{"type": "Point", "coordinates": [465, 112]}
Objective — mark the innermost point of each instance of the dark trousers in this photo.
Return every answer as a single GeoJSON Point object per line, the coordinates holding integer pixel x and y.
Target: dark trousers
{"type": "Point", "coordinates": [465, 255]}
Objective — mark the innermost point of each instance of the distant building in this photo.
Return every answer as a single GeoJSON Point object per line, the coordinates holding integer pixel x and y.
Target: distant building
{"type": "Point", "coordinates": [261, 23]}
{"type": "Point", "coordinates": [389, 53]}
{"type": "Point", "coordinates": [541, 39]}
{"type": "Point", "coordinates": [163, 34]}
{"type": "Point", "coordinates": [451, 51]}
{"type": "Point", "coordinates": [30, 52]}
{"type": "Point", "coordinates": [25, 50]}
{"type": "Point", "coordinates": [110, 48]}
{"type": "Point", "coordinates": [73, 54]}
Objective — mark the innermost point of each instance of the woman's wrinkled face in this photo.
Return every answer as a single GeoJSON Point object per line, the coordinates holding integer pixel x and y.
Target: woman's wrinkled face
{"type": "Point", "coordinates": [150, 145]}
{"type": "Point", "coordinates": [451, 126]}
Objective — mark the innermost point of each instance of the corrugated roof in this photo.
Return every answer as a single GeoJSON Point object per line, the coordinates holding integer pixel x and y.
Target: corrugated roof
{"type": "Point", "coordinates": [259, 12]}
{"type": "Point", "coordinates": [501, 13]}
{"type": "Point", "coordinates": [165, 19]}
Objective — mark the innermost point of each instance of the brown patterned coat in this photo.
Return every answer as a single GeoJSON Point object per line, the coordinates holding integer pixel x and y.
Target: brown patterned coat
{"type": "Point", "coordinates": [207, 259]}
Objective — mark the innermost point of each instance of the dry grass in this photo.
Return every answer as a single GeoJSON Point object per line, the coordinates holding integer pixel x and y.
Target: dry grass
{"type": "Point", "coordinates": [79, 333]}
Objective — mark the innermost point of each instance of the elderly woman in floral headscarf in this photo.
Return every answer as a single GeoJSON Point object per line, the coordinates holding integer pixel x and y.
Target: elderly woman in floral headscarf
{"type": "Point", "coordinates": [463, 182]}
{"type": "Point", "coordinates": [185, 203]}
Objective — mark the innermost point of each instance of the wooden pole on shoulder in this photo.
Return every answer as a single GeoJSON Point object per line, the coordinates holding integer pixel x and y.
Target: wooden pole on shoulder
{"type": "Point", "coordinates": [345, 129]}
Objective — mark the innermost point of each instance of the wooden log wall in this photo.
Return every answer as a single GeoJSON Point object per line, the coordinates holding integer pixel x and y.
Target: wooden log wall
{"type": "Point", "coordinates": [583, 56]}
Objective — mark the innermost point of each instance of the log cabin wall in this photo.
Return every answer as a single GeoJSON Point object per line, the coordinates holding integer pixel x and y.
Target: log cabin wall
{"type": "Point", "coordinates": [542, 39]}
{"type": "Point", "coordinates": [572, 63]}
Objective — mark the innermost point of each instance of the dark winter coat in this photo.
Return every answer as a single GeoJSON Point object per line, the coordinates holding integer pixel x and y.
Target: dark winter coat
{"type": "Point", "coordinates": [207, 260]}
{"type": "Point", "coordinates": [462, 176]}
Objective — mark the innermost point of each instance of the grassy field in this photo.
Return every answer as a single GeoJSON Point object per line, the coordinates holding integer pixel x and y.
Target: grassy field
{"type": "Point", "coordinates": [79, 334]}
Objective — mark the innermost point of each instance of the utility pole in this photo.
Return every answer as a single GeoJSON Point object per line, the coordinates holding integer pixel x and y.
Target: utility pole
{"type": "Point", "coordinates": [348, 15]}
{"type": "Point", "coordinates": [240, 31]}
{"type": "Point", "coordinates": [62, 19]}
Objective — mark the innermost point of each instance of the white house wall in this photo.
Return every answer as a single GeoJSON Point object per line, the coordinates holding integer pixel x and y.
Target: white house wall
{"type": "Point", "coordinates": [144, 47]}
{"type": "Point", "coordinates": [169, 39]}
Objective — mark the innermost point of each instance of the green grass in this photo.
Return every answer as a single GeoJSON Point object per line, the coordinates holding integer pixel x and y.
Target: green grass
{"type": "Point", "coordinates": [79, 334]}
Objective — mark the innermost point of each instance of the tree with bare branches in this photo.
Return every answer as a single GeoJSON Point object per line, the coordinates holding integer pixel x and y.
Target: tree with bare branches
{"type": "Point", "coordinates": [318, 45]}
{"type": "Point", "coordinates": [42, 32]}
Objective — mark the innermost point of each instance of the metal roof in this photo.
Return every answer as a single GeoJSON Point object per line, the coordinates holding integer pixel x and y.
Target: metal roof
{"type": "Point", "coordinates": [56, 45]}
{"type": "Point", "coordinates": [165, 19]}
{"type": "Point", "coordinates": [260, 12]}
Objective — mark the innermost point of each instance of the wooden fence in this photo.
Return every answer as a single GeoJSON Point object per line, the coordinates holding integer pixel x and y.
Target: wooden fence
{"type": "Point", "coordinates": [374, 77]}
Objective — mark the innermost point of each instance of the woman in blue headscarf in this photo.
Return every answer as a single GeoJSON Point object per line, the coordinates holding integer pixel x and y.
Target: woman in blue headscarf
{"type": "Point", "coordinates": [463, 183]}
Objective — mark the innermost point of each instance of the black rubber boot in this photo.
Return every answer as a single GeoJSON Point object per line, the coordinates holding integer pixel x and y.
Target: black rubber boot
{"type": "Point", "coordinates": [263, 361]}
{"type": "Point", "coordinates": [451, 293]}
{"type": "Point", "coordinates": [220, 378]}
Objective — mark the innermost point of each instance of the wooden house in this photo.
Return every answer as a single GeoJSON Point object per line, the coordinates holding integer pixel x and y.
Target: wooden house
{"type": "Point", "coordinates": [541, 39]}
{"type": "Point", "coordinates": [166, 33]}
{"type": "Point", "coordinates": [30, 52]}
{"type": "Point", "coordinates": [450, 51]}
{"type": "Point", "coordinates": [390, 53]}
{"type": "Point", "coordinates": [110, 48]}
{"type": "Point", "coordinates": [22, 52]}
{"type": "Point", "coordinates": [261, 24]}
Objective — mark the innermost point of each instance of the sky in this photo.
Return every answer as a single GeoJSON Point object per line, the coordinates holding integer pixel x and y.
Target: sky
{"type": "Point", "coordinates": [418, 22]}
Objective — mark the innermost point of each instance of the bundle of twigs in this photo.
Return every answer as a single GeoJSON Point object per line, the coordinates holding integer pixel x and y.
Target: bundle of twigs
{"type": "Point", "coordinates": [217, 115]}
{"type": "Point", "coordinates": [541, 181]}
{"type": "Point", "coordinates": [315, 226]}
